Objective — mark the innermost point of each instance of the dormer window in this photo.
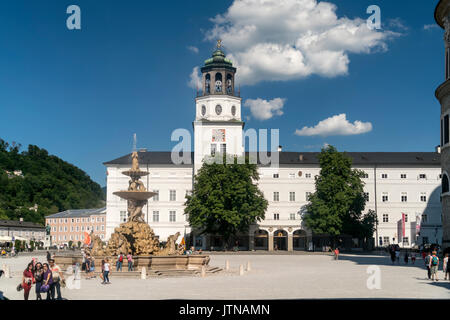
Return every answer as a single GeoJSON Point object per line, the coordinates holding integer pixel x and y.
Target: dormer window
{"type": "Point", "coordinates": [233, 111]}
{"type": "Point", "coordinates": [203, 110]}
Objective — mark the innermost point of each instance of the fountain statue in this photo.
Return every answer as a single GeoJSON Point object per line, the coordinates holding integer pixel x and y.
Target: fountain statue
{"type": "Point", "coordinates": [135, 236]}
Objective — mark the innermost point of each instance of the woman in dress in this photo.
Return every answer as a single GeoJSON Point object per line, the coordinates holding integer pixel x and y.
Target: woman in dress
{"type": "Point", "coordinates": [38, 277]}
{"type": "Point", "coordinates": [27, 280]}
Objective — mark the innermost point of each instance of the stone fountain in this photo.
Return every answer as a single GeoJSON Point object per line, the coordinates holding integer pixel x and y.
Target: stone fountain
{"type": "Point", "coordinates": [136, 237]}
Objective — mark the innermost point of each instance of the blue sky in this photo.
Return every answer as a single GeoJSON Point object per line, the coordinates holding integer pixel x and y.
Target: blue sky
{"type": "Point", "coordinates": [82, 94]}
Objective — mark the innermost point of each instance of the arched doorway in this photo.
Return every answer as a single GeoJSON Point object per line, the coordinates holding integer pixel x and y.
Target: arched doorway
{"type": "Point", "coordinates": [300, 240]}
{"type": "Point", "coordinates": [280, 240]}
{"type": "Point", "coordinates": [261, 240]}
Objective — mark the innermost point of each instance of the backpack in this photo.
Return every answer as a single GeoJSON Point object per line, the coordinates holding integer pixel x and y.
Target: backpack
{"type": "Point", "coordinates": [434, 261]}
{"type": "Point", "coordinates": [120, 258]}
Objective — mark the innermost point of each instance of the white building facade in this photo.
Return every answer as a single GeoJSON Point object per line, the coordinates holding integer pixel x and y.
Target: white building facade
{"type": "Point", "coordinates": [397, 184]}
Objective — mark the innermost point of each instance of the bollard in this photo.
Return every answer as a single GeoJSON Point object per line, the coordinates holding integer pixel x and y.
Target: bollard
{"type": "Point", "coordinates": [7, 272]}
{"type": "Point", "coordinates": [143, 273]}
{"type": "Point", "coordinates": [227, 265]}
{"type": "Point", "coordinates": [241, 270]}
{"type": "Point", "coordinates": [249, 268]}
{"type": "Point", "coordinates": [203, 271]}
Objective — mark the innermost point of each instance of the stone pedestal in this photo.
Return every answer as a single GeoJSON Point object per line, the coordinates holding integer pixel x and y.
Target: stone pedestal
{"type": "Point", "coordinates": [251, 243]}
{"type": "Point", "coordinates": [290, 242]}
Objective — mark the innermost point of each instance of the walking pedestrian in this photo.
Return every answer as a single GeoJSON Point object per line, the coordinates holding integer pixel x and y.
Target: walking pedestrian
{"type": "Point", "coordinates": [397, 255]}
{"type": "Point", "coordinates": [49, 256]}
{"type": "Point", "coordinates": [446, 268]}
{"type": "Point", "coordinates": [130, 261]}
{"type": "Point", "coordinates": [92, 267]}
{"type": "Point", "coordinates": [406, 257]}
{"type": "Point", "coordinates": [427, 261]}
{"type": "Point", "coordinates": [336, 254]}
{"type": "Point", "coordinates": [38, 277]}
{"type": "Point", "coordinates": [57, 278]}
{"type": "Point", "coordinates": [106, 268]}
{"type": "Point", "coordinates": [27, 280]}
{"type": "Point", "coordinates": [87, 265]}
{"type": "Point", "coordinates": [413, 258]}
{"type": "Point", "coordinates": [434, 265]}
{"type": "Point", "coordinates": [119, 262]}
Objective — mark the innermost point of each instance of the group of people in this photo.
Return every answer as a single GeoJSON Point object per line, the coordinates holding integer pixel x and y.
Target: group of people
{"type": "Point", "coordinates": [394, 252]}
{"type": "Point", "coordinates": [46, 277]}
{"type": "Point", "coordinates": [432, 261]}
{"type": "Point", "coordinates": [120, 260]}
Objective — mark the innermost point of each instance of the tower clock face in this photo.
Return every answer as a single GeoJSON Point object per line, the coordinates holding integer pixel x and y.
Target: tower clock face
{"type": "Point", "coordinates": [218, 109]}
{"type": "Point", "coordinates": [218, 135]}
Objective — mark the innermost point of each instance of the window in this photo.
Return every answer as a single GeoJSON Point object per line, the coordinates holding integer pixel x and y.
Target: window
{"type": "Point", "coordinates": [276, 175]}
{"type": "Point", "coordinates": [366, 196]}
{"type": "Point", "coordinates": [276, 196]}
{"type": "Point", "coordinates": [404, 197]}
{"type": "Point", "coordinates": [103, 228]}
{"type": "Point", "coordinates": [446, 129]}
{"type": "Point", "coordinates": [155, 216]}
{"type": "Point", "coordinates": [406, 218]}
{"type": "Point", "coordinates": [385, 217]}
{"type": "Point", "coordinates": [156, 196]}
{"type": "Point", "coordinates": [96, 228]}
{"type": "Point", "coordinates": [365, 176]}
{"type": "Point", "coordinates": [73, 220]}
{"type": "Point", "coordinates": [71, 228]}
{"type": "Point", "coordinates": [123, 216]}
{"type": "Point", "coordinates": [422, 176]}
{"type": "Point", "coordinates": [292, 196]}
{"type": "Point", "coordinates": [385, 197]}
{"type": "Point", "coordinates": [424, 218]}
{"type": "Point", "coordinates": [308, 175]}
{"type": "Point", "coordinates": [292, 216]}
{"type": "Point", "coordinates": [213, 149]}
{"type": "Point", "coordinates": [386, 241]}
{"type": "Point", "coordinates": [384, 176]}
{"type": "Point", "coordinates": [173, 195]}
{"type": "Point", "coordinates": [403, 176]}
{"type": "Point", "coordinates": [65, 220]}
{"type": "Point", "coordinates": [276, 216]}
{"type": "Point", "coordinates": [425, 240]}
{"type": "Point", "coordinates": [308, 194]}
{"type": "Point", "coordinates": [406, 241]}
{"type": "Point", "coordinates": [223, 148]}
{"type": "Point", "coordinates": [172, 216]}
{"type": "Point", "coordinates": [423, 197]}
{"type": "Point", "coordinates": [65, 229]}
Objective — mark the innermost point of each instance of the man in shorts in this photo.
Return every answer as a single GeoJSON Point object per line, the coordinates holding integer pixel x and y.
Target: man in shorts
{"type": "Point", "coordinates": [434, 265]}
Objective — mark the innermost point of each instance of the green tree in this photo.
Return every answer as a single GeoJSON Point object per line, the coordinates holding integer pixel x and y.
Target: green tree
{"type": "Point", "coordinates": [225, 199]}
{"type": "Point", "coordinates": [337, 205]}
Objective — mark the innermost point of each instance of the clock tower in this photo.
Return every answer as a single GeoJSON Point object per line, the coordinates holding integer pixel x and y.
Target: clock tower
{"type": "Point", "coordinates": [218, 124]}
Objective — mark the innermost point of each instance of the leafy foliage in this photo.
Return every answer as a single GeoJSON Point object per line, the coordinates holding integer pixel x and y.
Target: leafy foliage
{"type": "Point", "coordinates": [225, 199]}
{"type": "Point", "coordinates": [337, 205]}
{"type": "Point", "coordinates": [51, 183]}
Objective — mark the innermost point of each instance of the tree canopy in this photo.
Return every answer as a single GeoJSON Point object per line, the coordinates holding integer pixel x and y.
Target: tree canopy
{"type": "Point", "coordinates": [337, 205]}
{"type": "Point", "coordinates": [47, 181]}
{"type": "Point", "coordinates": [225, 198]}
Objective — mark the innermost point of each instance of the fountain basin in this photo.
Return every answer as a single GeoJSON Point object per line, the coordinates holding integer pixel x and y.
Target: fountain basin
{"type": "Point", "coordinates": [135, 195]}
{"type": "Point", "coordinates": [181, 262]}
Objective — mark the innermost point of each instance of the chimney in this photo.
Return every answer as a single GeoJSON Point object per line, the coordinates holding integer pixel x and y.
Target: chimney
{"type": "Point", "coordinates": [280, 148]}
{"type": "Point", "coordinates": [301, 157]}
{"type": "Point", "coordinates": [438, 149]}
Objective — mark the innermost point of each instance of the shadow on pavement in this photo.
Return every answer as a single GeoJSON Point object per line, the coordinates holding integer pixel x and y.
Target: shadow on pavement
{"type": "Point", "coordinates": [380, 261]}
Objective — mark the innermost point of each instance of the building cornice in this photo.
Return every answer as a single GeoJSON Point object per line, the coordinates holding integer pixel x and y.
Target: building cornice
{"type": "Point", "coordinates": [442, 9]}
{"type": "Point", "coordinates": [443, 90]}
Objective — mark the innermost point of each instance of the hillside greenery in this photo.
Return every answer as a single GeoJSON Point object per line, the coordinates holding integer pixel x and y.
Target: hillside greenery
{"type": "Point", "coordinates": [46, 181]}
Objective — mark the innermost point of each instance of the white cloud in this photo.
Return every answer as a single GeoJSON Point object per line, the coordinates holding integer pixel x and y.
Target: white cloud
{"type": "Point", "coordinates": [336, 126]}
{"type": "Point", "coordinates": [193, 49]}
{"type": "Point", "coordinates": [195, 81]}
{"type": "Point", "coordinates": [430, 26]}
{"type": "Point", "coordinates": [278, 40]}
{"type": "Point", "coordinates": [263, 109]}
